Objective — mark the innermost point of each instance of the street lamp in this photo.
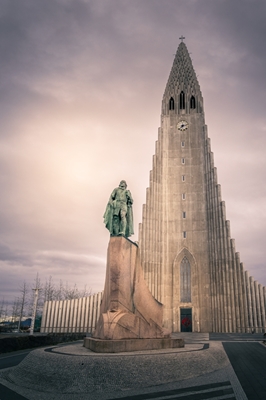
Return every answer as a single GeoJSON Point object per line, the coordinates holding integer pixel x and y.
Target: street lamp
{"type": "Point", "coordinates": [34, 308]}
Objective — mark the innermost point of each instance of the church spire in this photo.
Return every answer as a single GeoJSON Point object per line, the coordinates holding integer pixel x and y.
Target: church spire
{"type": "Point", "coordinates": [182, 90]}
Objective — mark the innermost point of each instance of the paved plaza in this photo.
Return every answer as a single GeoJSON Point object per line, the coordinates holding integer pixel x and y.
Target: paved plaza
{"type": "Point", "coordinates": [201, 370]}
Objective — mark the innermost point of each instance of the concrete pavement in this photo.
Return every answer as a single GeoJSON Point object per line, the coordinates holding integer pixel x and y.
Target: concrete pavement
{"type": "Point", "coordinates": [201, 370]}
{"type": "Point", "coordinates": [249, 363]}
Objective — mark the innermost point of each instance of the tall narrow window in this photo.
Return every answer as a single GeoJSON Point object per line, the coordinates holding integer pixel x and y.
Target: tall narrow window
{"type": "Point", "coordinates": [183, 196]}
{"type": "Point", "coordinates": [184, 235]}
{"type": "Point", "coordinates": [183, 178]}
{"type": "Point", "coordinates": [192, 102]}
{"type": "Point", "coordinates": [184, 214]}
{"type": "Point", "coordinates": [182, 144]}
{"type": "Point", "coordinates": [185, 281]}
{"type": "Point", "coordinates": [171, 104]}
{"type": "Point", "coordinates": [182, 100]}
{"type": "Point", "coordinates": [182, 160]}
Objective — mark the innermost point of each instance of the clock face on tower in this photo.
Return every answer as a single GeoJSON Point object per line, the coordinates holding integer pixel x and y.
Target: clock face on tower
{"type": "Point", "coordinates": [182, 125]}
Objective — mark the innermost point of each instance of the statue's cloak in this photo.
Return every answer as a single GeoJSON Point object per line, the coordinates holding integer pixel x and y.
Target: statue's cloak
{"type": "Point", "coordinates": [108, 218]}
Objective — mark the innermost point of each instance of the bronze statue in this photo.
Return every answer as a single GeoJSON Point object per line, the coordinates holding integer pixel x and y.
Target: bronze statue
{"type": "Point", "coordinates": [118, 216]}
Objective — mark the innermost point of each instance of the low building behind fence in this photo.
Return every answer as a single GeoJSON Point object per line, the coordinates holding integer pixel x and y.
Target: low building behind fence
{"type": "Point", "coordinates": [71, 316]}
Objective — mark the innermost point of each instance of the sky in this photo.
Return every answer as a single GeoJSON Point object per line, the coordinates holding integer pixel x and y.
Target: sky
{"type": "Point", "coordinates": [81, 84]}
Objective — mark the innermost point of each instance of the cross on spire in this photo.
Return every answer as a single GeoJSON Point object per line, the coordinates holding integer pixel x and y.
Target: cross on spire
{"type": "Point", "coordinates": [182, 38]}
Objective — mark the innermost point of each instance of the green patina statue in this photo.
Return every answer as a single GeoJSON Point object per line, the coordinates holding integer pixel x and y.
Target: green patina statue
{"type": "Point", "coordinates": [118, 216]}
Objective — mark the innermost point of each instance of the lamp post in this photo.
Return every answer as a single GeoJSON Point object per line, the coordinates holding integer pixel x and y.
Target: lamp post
{"type": "Point", "coordinates": [36, 294]}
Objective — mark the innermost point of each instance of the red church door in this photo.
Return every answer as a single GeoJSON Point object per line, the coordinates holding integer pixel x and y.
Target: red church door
{"type": "Point", "coordinates": [186, 319]}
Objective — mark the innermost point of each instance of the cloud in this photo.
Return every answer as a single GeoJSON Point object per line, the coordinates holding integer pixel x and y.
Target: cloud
{"type": "Point", "coordinates": [13, 256]}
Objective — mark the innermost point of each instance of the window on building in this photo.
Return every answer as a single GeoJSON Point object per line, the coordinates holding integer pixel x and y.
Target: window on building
{"type": "Point", "coordinates": [183, 196]}
{"type": "Point", "coordinates": [184, 235]}
{"type": "Point", "coordinates": [171, 104]}
{"type": "Point", "coordinates": [185, 281]}
{"type": "Point", "coordinates": [182, 144]}
{"type": "Point", "coordinates": [183, 178]}
{"type": "Point", "coordinates": [192, 102]}
{"type": "Point", "coordinates": [182, 160]}
{"type": "Point", "coordinates": [182, 100]}
{"type": "Point", "coordinates": [184, 214]}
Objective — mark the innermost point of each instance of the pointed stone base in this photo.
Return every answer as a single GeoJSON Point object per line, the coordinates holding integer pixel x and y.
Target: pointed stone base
{"type": "Point", "coordinates": [128, 309]}
{"type": "Point", "coordinates": [130, 317]}
{"type": "Point", "coordinates": [126, 345]}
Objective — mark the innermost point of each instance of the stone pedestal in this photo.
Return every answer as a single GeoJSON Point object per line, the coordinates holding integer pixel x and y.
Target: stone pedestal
{"type": "Point", "coordinates": [126, 345]}
{"type": "Point", "coordinates": [130, 317]}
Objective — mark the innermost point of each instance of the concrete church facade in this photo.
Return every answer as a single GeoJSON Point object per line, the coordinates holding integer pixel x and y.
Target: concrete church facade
{"type": "Point", "coordinates": [189, 259]}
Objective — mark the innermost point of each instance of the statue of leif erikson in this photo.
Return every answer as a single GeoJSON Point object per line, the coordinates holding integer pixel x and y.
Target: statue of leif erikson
{"type": "Point", "coordinates": [118, 216]}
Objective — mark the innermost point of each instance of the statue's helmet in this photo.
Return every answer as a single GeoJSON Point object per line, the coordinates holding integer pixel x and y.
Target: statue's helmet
{"type": "Point", "coordinates": [123, 182]}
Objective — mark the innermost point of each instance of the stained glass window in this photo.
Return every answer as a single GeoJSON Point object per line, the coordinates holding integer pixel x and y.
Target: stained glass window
{"type": "Point", "coordinates": [185, 281]}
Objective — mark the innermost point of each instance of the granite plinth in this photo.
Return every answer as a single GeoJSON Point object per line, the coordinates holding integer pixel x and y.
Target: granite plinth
{"type": "Point", "coordinates": [126, 345]}
{"type": "Point", "coordinates": [128, 309]}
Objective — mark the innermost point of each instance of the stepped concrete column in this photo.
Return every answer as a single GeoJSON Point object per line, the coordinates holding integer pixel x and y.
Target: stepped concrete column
{"type": "Point", "coordinates": [258, 306]}
{"type": "Point", "coordinates": [249, 301]}
{"type": "Point", "coordinates": [253, 301]}
{"type": "Point", "coordinates": [236, 289]}
{"type": "Point", "coordinates": [244, 291]}
{"type": "Point", "coordinates": [220, 257]}
{"type": "Point", "coordinates": [262, 305]}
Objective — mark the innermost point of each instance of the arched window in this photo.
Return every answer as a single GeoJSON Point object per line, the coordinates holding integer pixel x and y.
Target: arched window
{"type": "Point", "coordinates": [171, 104]}
{"type": "Point", "coordinates": [182, 100]}
{"type": "Point", "coordinates": [185, 281]}
{"type": "Point", "coordinates": [192, 102]}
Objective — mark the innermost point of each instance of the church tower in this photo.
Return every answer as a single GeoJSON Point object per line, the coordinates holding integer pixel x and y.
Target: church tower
{"type": "Point", "coordinates": [188, 257]}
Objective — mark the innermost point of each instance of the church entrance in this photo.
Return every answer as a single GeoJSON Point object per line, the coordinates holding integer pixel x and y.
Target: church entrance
{"type": "Point", "coordinates": [186, 319]}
